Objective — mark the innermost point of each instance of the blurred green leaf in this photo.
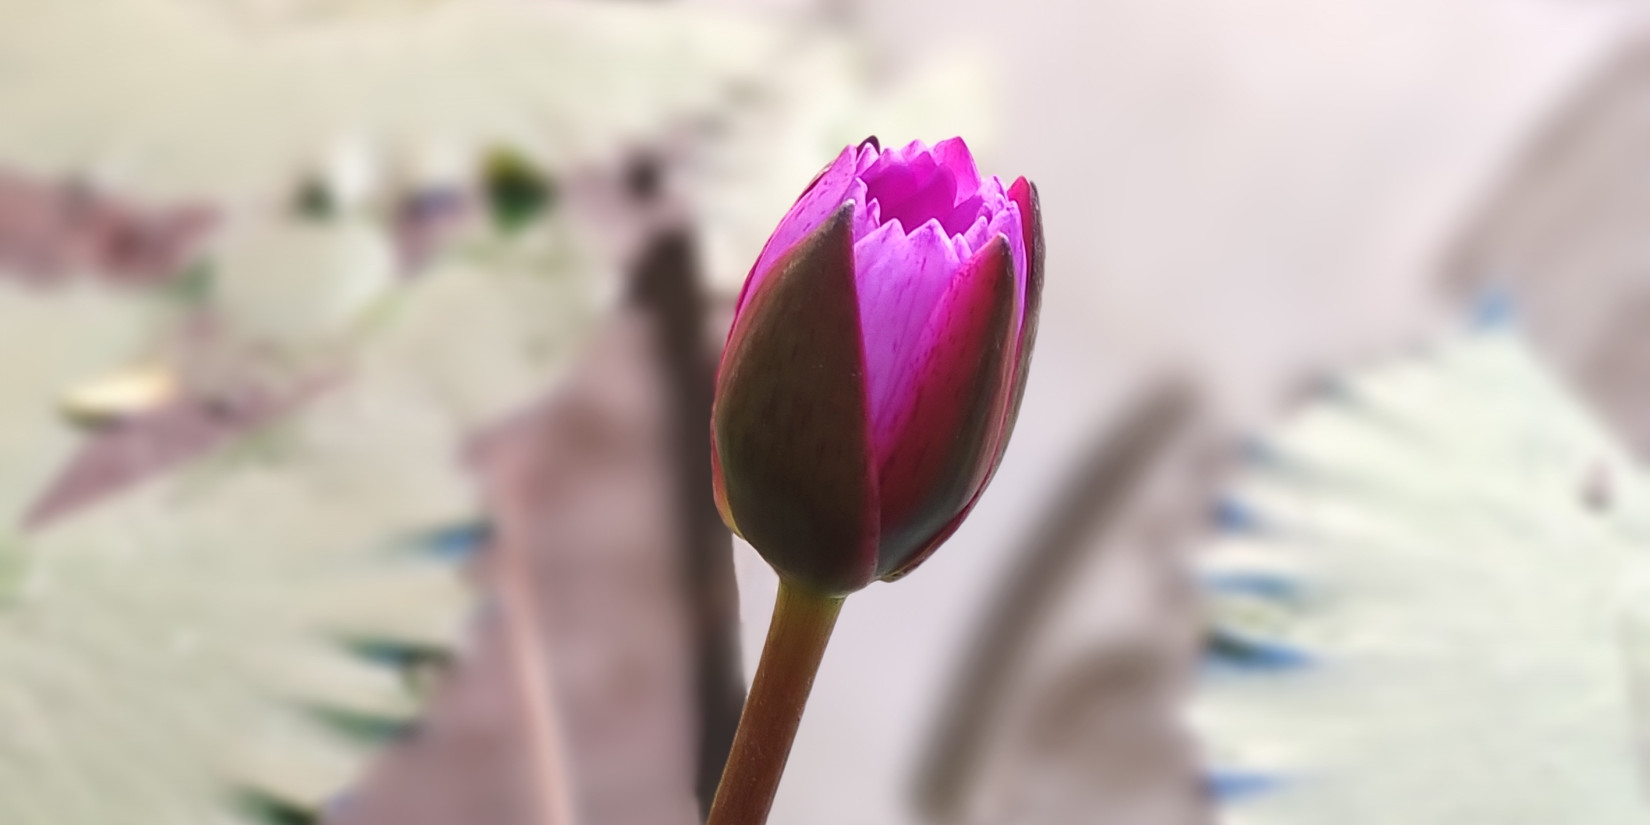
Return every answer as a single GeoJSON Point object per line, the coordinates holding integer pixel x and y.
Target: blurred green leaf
{"type": "Point", "coordinates": [516, 192]}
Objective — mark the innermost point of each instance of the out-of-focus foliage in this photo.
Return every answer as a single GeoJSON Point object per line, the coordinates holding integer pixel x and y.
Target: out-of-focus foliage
{"type": "Point", "coordinates": [195, 645]}
{"type": "Point", "coordinates": [193, 99]}
{"type": "Point", "coordinates": [1422, 609]}
{"type": "Point", "coordinates": [195, 648]}
{"type": "Point", "coordinates": [483, 325]}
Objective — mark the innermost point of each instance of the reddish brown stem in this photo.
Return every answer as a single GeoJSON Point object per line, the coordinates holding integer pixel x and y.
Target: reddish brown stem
{"type": "Point", "coordinates": [801, 627]}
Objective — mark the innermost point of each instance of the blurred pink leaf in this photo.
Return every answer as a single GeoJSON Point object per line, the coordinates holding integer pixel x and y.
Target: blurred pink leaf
{"type": "Point", "coordinates": [49, 230]}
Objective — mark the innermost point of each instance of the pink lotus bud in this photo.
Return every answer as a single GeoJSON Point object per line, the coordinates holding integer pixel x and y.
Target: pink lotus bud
{"type": "Point", "coordinates": [876, 363]}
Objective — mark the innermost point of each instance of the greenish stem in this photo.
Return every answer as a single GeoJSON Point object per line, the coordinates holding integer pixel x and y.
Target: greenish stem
{"type": "Point", "coordinates": [801, 627]}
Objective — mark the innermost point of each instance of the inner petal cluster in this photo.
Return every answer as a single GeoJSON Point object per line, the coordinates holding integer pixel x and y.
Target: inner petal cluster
{"type": "Point", "coordinates": [917, 184]}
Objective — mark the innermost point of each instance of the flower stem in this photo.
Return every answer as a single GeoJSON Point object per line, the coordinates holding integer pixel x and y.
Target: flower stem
{"type": "Point", "coordinates": [797, 635]}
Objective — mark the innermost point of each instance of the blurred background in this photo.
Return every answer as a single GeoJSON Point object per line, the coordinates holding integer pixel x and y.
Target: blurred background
{"type": "Point", "coordinates": [359, 353]}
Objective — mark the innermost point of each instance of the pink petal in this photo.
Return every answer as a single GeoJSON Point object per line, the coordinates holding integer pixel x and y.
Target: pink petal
{"type": "Point", "coordinates": [953, 154]}
{"type": "Point", "coordinates": [901, 279]}
{"type": "Point", "coordinates": [961, 218]}
{"type": "Point", "coordinates": [912, 192]}
{"type": "Point", "coordinates": [942, 438]}
{"type": "Point", "coordinates": [979, 233]}
{"type": "Point", "coordinates": [1009, 223]}
{"type": "Point", "coordinates": [868, 215]}
{"type": "Point", "coordinates": [1029, 264]}
{"type": "Point", "coordinates": [908, 152]}
{"type": "Point", "coordinates": [869, 153]}
{"type": "Point", "coordinates": [915, 185]}
{"type": "Point", "coordinates": [986, 201]}
{"type": "Point", "coordinates": [818, 202]}
{"type": "Point", "coordinates": [971, 241]}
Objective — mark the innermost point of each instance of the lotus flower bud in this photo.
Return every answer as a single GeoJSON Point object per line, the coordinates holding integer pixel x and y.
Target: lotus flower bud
{"type": "Point", "coordinates": [876, 363]}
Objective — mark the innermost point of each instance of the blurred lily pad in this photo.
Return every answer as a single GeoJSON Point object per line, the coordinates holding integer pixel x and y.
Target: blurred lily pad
{"type": "Point", "coordinates": [193, 644]}
{"type": "Point", "coordinates": [1421, 609]}
{"type": "Point", "coordinates": [197, 646]}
